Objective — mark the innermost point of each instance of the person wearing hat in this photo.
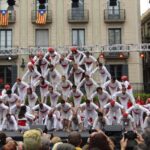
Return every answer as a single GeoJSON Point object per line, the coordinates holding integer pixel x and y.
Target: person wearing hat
{"type": "Point", "coordinates": [77, 73]}
{"type": "Point", "coordinates": [127, 122]}
{"type": "Point", "coordinates": [77, 55]}
{"type": "Point", "coordinates": [113, 111]}
{"type": "Point", "coordinates": [31, 75]}
{"type": "Point", "coordinates": [104, 74]}
{"type": "Point", "coordinates": [103, 96]}
{"type": "Point", "coordinates": [21, 88]}
{"type": "Point", "coordinates": [41, 63]}
{"type": "Point", "coordinates": [53, 56]}
{"type": "Point", "coordinates": [88, 61]}
{"type": "Point", "coordinates": [6, 87]}
{"type": "Point", "coordinates": [123, 97]}
{"type": "Point", "coordinates": [89, 84]}
{"type": "Point", "coordinates": [64, 63]}
{"type": "Point", "coordinates": [53, 75]}
{"type": "Point", "coordinates": [137, 111]}
{"type": "Point", "coordinates": [113, 85]}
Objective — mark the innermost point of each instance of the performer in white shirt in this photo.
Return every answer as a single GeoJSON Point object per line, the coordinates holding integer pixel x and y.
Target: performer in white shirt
{"type": "Point", "coordinates": [6, 87]}
{"type": "Point", "coordinates": [43, 86]}
{"type": "Point", "coordinates": [53, 56]}
{"type": "Point", "coordinates": [113, 85]}
{"type": "Point", "coordinates": [77, 72]}
{"type": "Point", "coordinates": [66, 114]}
{"type": "Point", "coordinates": [89, 84]}
{"type": "Point", "coordinates": [89, 113]}
{"type": "Point", "coordinates": [113, 112]}
{"type": "Point", "coordinates": [77, 95]}
{"type": "Point", "coordinates": [32, 97]}
{"type": "Point", "coordinates": [53, 75]}
{"type": "Point", "coordinates": [137, 112]}
{"type": "Point", "coordinates": [127, 122]}
{"type": "Point", "coordinates": [32, 75]}
{"type": "Point", "coordinates": [89, 62]}
{"type": "Point", "coordinates": [123, 97]}
{"type": "Point", "coordinates": [9, 123]}
{"type": "Point", "coordinates": [54, 96]}
{"type": "Point", "coordinates": [77, 55]}
{"type": "Point", "coordinates": [42, 63]}
{"type": "Point", "coordinates": [103, 96]}
{"type": "Point", "coordinates": [100, 121]}
{"type": "Point", "coordinates": [146, 122]}
{"type": "Point", "coordinates": [65, 87]}
{"type": "Point", "coordinates": [43, 111]}
{"type": "Point", "coordinates": [21, 88]}
{"type": "Point", "coordinates": [104, 74]}
{"type": "Point", "coordinates": [64, 63]}
{"type": "Point", "coordinates": [10, 98]}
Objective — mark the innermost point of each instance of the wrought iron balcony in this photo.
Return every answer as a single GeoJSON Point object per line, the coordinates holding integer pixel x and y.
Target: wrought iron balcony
{"type": "Point", "coordinates": [48, 16]}
{"type": "Point", "coordinates": [122, 55]}
{"type": "Point", "coordinates": [114, 15]}
{"type": "Point", "coordinates": [76, 15]}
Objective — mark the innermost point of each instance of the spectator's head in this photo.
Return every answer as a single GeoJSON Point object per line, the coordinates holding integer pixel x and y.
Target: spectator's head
{"type": "Point", "coordinates": [32, 140]}
{"type": "Point", "coordinates": [55, 140]}
{"type": "Point", "coordinates": [2, 138]}
{"type": "Point", "coordinates": [45, 143]}
{"type": "Point", "coordinates": [101, 141]}
{"type": "Point", "coordinates": [65, 146]}
{"type": "Point", "coordinates": [11, 145]}
{"type": "Point", "coordinates": [75, 139]}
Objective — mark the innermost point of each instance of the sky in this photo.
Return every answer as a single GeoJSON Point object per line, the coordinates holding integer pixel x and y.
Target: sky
{"type": "Point", "coordinates": [144, 5]}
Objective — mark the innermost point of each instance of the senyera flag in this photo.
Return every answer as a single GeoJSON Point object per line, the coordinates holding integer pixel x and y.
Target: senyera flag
{"type": "Point", "coordinates": [3, 18]}
{"type": "Point", "coordinates": [41, 17]}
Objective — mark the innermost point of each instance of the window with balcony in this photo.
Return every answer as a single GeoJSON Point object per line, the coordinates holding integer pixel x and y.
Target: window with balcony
{"type": "Point", "coordinates": [78, 37]}
{"type": "Point", "coordinates": [42, 38]}
{"type": "Point", "coordinates": [5, 38]}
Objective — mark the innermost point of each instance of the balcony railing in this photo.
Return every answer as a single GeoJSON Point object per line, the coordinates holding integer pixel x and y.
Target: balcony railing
{"type": "Point", "coordinates": [76, 15]}
{"type": "Point", "coordinates": [114, 15]}
{"type": "Point", "coordinates": [122, 55]}
{"type": "Point", "coordinates": [48, 17]}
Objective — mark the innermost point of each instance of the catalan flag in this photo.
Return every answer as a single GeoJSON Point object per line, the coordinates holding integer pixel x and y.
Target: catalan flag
{"type": "Point", "coordinates": [41, 17]}
{"type": "Point", "coordinates": [3, 18]}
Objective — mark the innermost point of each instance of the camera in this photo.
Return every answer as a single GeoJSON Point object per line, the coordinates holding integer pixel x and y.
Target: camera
{"type": "Point", "coordinates": [130, 135]}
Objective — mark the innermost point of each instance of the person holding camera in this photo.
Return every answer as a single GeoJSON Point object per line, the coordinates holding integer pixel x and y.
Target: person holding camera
{"type": "Point", "coordinates": [100, 121]}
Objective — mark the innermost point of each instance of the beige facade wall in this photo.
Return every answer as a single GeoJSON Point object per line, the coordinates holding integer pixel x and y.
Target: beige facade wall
{"type": "Point", "coordinates": [96, 30]}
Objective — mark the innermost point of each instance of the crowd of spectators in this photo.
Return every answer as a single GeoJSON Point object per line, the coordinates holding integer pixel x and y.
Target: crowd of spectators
{"type": "Point", "coordinates": [35, 139]}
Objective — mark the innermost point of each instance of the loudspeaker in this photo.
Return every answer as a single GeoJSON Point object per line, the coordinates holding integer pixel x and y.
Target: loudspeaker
{"type": "Point", "coordinates": [113, 3]}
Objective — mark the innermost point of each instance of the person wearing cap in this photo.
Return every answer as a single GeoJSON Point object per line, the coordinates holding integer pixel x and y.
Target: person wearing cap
{"type": "Point", "coordinates": [127, 122]}
{"type": "Point", "coordinates": [6, 87]}
{"type": "Point", "coordinates": [90, 113]}
{"type": "Point", "coordinates": [53, 95]}
{"type": "Point", "coordinates": [137, 111]}
{"type": "Point", "coordinates": [77, 73]}
{"type": "Point", "coordinates": [77, 95]}
{"type": "Point", "coordinates": [9, 123]}
{"type": "Point", "coordinates": [31, 75]}
{"type": "Point", "coordinates": [113, 85]}
{"type": "Point", "coordinates": [64, 63]}
{"type": "Point", "coordinates": [43, 111]}
{"type": "Point", "coordinates": [53, 75]}
{"type": "Point", "coordinates": [103, 96]}
{"type": "Point", "coordinates": [42, 63]}
{"type": "Point", "coordinates": [64, 87]}
{"type": "Point", "coordinates": [43, 86]}
{"type": "Point", "coordinates": [3, 110]}
{"type": "Point", "coordinates": [88, 61]}
{"type": "Point", "coordinates": [113, 111]}
{"type": "Point", "coordinates": [66, 114]}
{"type": "Point", "coordinates": [31, 97]}
{"type": "Point", "coordinates": [53, 56]}
{"type": "Point", "coordinates": [89, 84]}
{"type": "Point", "coordinates": [21, 88]}
{"type": "Point", "coordinates": [10, 98]}
{"type": "Point", "coordinates": [104, 74]}
{"type": "Point", "coordinates": [77, 55]}
{"type": "Point", "coordinates": [123, 97]}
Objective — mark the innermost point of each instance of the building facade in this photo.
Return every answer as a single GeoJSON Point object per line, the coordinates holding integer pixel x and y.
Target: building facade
{"type": "Point", "coordinates": [89, 22]}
